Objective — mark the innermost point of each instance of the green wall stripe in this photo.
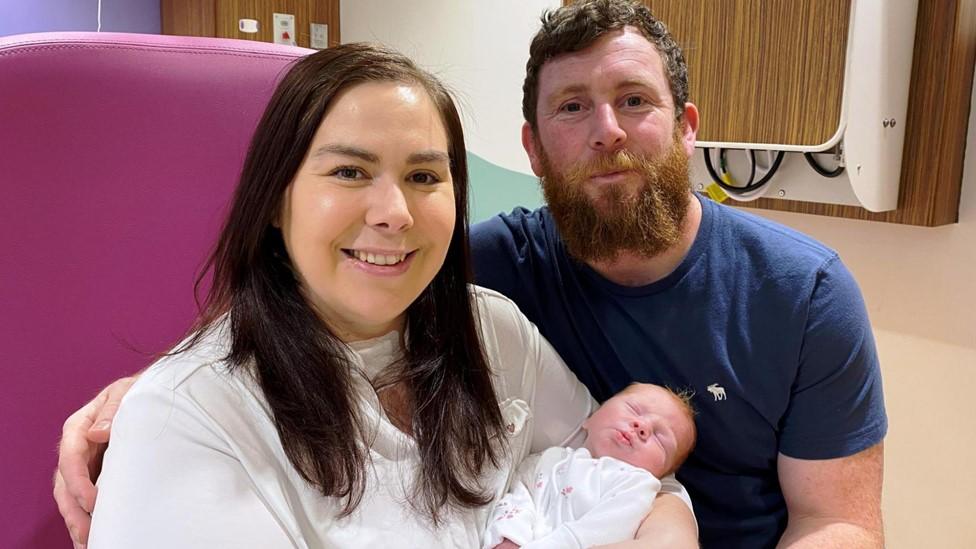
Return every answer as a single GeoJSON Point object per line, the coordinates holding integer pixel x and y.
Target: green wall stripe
{"type": "Point", "coordinates": [496, 189]}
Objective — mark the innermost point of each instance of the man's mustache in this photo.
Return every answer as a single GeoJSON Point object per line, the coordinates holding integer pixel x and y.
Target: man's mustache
{"type": "Point", "coordinates": [621, 160]}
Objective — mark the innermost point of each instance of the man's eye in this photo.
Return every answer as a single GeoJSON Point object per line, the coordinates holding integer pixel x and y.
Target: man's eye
{"type": "Point", "coordinates": [424, 178]}
{"type": "Point", "coordinates": [634, 101]}
{"type": "Point", "coordinates": [572, 107]}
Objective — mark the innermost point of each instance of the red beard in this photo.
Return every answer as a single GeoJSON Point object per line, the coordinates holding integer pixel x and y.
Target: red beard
{"type": "Point", "coordinates": [644, 222]}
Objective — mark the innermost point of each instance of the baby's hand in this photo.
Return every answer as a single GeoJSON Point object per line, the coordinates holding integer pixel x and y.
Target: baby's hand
{"type": "Point", "coordinates": [507, 544]}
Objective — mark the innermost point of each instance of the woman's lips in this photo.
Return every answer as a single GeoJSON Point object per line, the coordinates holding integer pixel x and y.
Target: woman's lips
{"type": "Point", "coordinates": [395, 269]}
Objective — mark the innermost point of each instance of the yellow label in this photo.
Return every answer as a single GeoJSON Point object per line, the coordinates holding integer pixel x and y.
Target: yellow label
{"type": "Point", "coordinates": [716, 193]}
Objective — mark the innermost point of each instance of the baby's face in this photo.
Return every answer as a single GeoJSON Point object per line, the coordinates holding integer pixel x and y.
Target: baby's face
{"type": "Point", "coordinates": [645, 426]}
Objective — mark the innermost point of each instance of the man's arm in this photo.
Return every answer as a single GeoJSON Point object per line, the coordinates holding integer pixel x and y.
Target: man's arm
{"type": "Point", "coordinates": [833, 502]}
{"type": "Point", "coordinates": [836, 409]}
{"type": "Point", "coordinates": [670, 524]}
{"type": "Point", "coordinates": [83, 440]}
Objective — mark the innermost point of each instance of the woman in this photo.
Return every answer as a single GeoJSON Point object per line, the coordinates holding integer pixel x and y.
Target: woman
{"type": "Point", "coordinates": [344, 386]}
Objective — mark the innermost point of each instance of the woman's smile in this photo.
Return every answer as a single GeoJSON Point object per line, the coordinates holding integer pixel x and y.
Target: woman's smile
{"type": "Point", "coordinates": [369, 216]}
{"type": "Point", "coordinates": [380, 263]}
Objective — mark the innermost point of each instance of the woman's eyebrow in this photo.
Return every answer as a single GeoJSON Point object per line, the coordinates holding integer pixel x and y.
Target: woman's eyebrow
{"type": "Point", "coordinates": [347, 150]}
{"type": "Point", "coordinates": [423, 157]}
{"type": "Point", "coordinates": [427, 157]}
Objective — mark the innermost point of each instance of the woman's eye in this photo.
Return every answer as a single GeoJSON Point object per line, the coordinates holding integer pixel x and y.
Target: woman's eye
{"type": "Point", "coordinates": [634, 101]}
{"type": "Point", "coordinates": [424, 178]}
{"type": "Point", "coordinates": [348, 173]}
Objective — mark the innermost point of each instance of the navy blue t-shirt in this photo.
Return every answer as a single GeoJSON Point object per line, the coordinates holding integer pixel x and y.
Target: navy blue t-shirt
{"type": "Point", "coordinates": [764, 324]}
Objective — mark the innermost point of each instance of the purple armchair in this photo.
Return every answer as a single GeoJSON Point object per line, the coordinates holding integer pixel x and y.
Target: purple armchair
{"type": "Point", "coordinates": [118, 154]}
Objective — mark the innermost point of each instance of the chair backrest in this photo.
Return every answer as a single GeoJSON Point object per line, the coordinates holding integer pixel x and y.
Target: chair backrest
{"type": "Point", "coordinates": [118, 154]}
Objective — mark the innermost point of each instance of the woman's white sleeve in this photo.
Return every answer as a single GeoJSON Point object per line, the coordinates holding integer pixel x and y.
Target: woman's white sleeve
{"type": "Point", "coordinates": [531, 367]}
{"type": "Point", "coordinates": [562, 403]}
{"type": "Point", "coordinates": [170, 480]}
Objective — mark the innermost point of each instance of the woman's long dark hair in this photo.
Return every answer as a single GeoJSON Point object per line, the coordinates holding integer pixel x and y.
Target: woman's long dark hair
{"type": "Point", "coordinates": [301, 366]}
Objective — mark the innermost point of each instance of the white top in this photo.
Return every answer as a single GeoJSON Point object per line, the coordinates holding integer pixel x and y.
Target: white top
{"type": "Point", "coordinates": [195, 460]}
{"type": "Point", "coordinates": [566, 499]}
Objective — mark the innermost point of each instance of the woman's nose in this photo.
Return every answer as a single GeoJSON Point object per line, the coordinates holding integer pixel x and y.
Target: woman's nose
{"type": "Point", "coordinates": [388, 209]}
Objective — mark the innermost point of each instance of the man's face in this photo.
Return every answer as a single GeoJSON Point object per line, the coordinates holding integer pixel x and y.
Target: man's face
{"type": "Point", "coordinates": [612, 156]}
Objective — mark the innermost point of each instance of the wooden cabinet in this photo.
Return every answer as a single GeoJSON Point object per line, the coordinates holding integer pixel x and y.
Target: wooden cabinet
{"type": "Point", "coordinates": [798, 46]}
{"type": "Point", "coordinates": [938, 117]}
{"type": "Point", "coordinates": [219, 18]}
{"type": "Point", "coordinates": [763, 71]}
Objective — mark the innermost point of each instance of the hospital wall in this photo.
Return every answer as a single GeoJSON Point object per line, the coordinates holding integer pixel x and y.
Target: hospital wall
{"type": "Point", "coordinates": [919, 283]}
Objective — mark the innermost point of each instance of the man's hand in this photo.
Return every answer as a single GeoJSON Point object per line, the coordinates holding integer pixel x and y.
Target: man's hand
{"type": "Point", "coordinates": [83, 441]}
{"type": "Point", "coordinates": [669, 525]}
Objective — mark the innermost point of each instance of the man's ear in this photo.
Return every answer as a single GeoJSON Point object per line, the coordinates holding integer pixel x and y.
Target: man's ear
{"type": "Point", "coordinates": [531, 148]}
{"type": "Point", "coordinates": [689, 130]}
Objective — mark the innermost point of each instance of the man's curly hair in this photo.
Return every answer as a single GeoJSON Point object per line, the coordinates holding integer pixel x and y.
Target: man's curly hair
{"type": "Point", "coordinates": [576, 26]}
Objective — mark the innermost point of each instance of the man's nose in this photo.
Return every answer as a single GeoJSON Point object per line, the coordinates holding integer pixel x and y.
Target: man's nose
{"type": "Point", "coordinates": [606, 134]}
{"type": "Point", "coordinates": [388, 209]}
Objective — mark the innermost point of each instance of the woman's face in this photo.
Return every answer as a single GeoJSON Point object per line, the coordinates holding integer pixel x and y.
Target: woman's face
{"type": "Point", "coordinates": [368, 218]}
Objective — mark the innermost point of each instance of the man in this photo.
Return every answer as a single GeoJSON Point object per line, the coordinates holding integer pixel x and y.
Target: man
{"type": "Point", "coordinates": [634, 278]}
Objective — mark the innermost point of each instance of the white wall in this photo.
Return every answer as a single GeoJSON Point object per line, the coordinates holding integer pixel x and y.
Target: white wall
{"type": "Point", "coordinates": [478, 48]}
{"type": "Point", "coordinates": [920, 288]}
{"type": "Point", "coordinates": [919, 283]}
